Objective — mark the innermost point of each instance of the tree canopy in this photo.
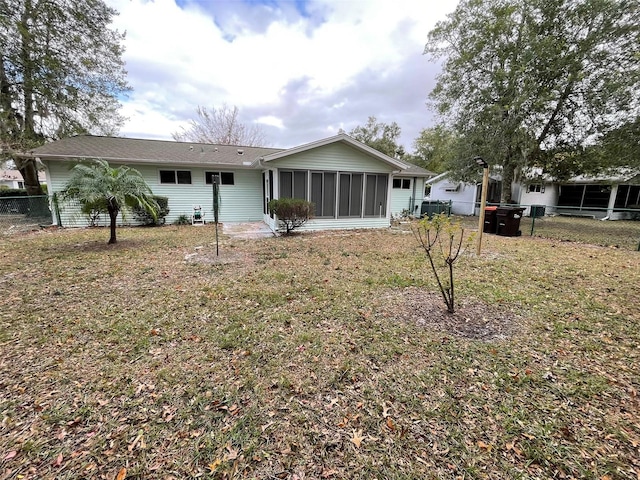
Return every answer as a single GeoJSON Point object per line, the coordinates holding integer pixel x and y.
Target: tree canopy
{"type": "Point", "coordinates": [523, 78]}
{"type": "Point", "coordinates": [435, 148]}
{"type": "Point", "coordinates": [379, 135]}
{"type": "Point", "coordinates": [221, 126]}
{"type": "Point", "coordinates": [61, 74]}
{"type": "Point", "coordinates": [111, 189]}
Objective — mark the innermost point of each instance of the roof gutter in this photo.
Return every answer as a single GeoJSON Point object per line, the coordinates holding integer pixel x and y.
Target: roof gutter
{"type": "Point", "coordinates": [143, 161]}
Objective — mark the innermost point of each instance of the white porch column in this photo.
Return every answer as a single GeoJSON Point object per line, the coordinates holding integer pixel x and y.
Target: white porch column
{"type": "Point", "coordinates": [612, 200]}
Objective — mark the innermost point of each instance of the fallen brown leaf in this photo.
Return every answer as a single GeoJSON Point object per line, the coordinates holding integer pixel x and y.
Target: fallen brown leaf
{"type": "Point", "coordinates": [357, 438]}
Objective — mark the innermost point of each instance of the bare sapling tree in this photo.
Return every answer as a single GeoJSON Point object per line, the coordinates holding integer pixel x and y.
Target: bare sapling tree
{"type": "Point", "coordinates": [221, 126]}
{"type": "Point", "coordinates": [443, 240]}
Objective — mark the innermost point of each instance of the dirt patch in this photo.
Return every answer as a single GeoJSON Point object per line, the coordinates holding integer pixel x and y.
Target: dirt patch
{"type": "Point", "coordinates": [472, 319]}
{"type": "Point", "coordinates": [225, 256]}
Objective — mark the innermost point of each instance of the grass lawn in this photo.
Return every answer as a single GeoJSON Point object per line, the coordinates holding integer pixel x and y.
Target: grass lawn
{"type": "Point", "coordinates": [322, 355]}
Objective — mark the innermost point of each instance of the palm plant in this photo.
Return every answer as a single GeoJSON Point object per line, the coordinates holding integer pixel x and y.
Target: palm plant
{"type": "Point", "coordinates": [114, 189]}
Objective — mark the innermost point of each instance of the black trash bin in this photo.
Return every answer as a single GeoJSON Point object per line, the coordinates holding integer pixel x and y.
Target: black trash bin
{"type": "Point", "coordinates": [490, 220]}
{"type": "Point", "coordinates": [508, 221]}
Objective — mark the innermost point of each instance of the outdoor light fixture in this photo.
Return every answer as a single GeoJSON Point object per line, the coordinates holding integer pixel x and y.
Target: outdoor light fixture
{"type": "Point", "coordinates": [480, 161]}
{"type": "Point", "coordinates": [483, 201]}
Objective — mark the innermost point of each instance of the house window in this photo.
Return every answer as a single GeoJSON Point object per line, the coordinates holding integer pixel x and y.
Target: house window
{"type": "Point", "coordinates": [627, 196]}
{"type": "Point", "coordinates": [571, 195]}
{"type": "Point", "coordinates": [20, 184]}
{"type": "Point", "coordinates": [376, 195]}
{"type": "Point", "coordinates": [350, 195]}
{"type": "Point", "coordinates": [323, 193]}
{"type": "Point", "coordinates": [584, 196]}
{"type": "Point", "coordinates": [403, 183]}
{"type": "Point", "coordinates": [536, 188]}
{"type": "Point", "coordinates": [596, 196]}
{"type": "Point", "coordinates": [225, 178]}
{"type": "Point", "coordinates": [293, 184]}
{"type": "Point", "coordinates": [181, 177]}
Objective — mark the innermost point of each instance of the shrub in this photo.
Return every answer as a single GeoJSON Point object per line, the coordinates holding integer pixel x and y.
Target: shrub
{"type": "Point", "coordinates": [292, 212]}
{"type": "Point", "coordinates": [93, 210]}
{"type": "Point", "coordinates": [144, 217]}
{"type": "Point", "coordinates": [182, 220]}
{"type": "Point", "coordinates": [443, 240]}
{"type": "Point", "coordinates": [13, 192]}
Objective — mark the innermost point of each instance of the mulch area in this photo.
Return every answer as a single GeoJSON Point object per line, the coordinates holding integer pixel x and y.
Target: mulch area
{"type": "Point", "coordinates": [472, 319]}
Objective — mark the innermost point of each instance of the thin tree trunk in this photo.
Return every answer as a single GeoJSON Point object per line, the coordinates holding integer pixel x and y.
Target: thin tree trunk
{"type": "Point", "coordinates": [113, 215]}
{"type": "Point", "coordinates": [451, 304]}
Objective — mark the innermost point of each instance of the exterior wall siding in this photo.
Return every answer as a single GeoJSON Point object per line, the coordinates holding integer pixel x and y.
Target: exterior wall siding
{"type": "Point", "coordinates": [239, 202]}
{"type": "Point", "coordinates": [548, 198]}
{"type": "Point", "coordinates": [333, 157]}
{"type": "Point", "coordinates": [408, 199]}
{"type": "Point", "coordinates": [462, 201]}
{"type": "Point", "coordinates": [344, 223]}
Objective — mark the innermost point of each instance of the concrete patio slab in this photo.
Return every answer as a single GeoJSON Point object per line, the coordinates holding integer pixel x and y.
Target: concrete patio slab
{"type": "Point", "coordinates": [247, 230]}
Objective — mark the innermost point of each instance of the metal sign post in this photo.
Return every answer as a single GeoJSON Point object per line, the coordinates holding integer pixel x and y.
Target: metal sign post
{"type": "Point", "coordinates": [216, 206]}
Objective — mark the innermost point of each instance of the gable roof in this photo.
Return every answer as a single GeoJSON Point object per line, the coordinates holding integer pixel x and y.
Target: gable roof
{"type": "Point", "coordinates": [137, 150]}
{"type": "Point", "coordinates": [416, 171]}
{"type": "Point", "coordinates": [340, 138]}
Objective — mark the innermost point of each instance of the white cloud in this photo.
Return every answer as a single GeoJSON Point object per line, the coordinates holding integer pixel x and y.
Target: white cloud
{"type": "Point", "coordinates": [271, 121]}
{"type": "Point", "coordinates": [304, 75]}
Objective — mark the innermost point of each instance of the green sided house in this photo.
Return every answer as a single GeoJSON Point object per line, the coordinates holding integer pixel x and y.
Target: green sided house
{"type": "Point", "coordinates": [351, 184]}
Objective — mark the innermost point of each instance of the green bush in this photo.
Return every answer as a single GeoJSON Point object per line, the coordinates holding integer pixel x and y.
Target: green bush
{"type": "Point", "coordinates": [146, 218]}
{"type": "Point", "coordinates": [13, 192]}
{"type": "Point", "coordinates": [93, 210]}
{"type": "Point", "coordinates": [182, 220]}
{"type": "Point", "coordinates": [292, 212]}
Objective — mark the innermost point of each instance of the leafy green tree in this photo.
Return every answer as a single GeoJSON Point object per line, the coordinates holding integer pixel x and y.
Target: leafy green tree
{"type": "Point", "coordinates": [435, 148]}
{"type": "Point", "coordinates": [524, 77]}
{"type": "Point", "coordinates": [617, 148]}
{"type": "Point", "coordinates": [61, 74]}
{"type": "Point", "coordinates": [113, 189]}
{"type": "Point", "coordinates": [381, 136]}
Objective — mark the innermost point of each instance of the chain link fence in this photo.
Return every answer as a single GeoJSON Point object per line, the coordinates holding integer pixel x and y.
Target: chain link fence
{"type": "Point", "coordinates": [23, 213]}
{"type": "Point", "coordinates": [615, 227]}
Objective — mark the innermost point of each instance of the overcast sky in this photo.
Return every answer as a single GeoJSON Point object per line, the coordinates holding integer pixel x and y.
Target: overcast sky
{"type": "Point", "coordinates": [302, 69]}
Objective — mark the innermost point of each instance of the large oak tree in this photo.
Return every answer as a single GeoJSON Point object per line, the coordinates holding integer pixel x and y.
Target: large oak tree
{"type": "Point", "coordinates": [521, 78]}
{"type": "Point", "coordinates": [61, 74]}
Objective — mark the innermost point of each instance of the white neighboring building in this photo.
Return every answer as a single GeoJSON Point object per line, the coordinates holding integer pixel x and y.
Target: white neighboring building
{"type": "Point", "coordinates": [462, 195]}
{"type": "Point", "coordinates": [13, 179]}
{"type": "Point", "coordinates": [614, 196]}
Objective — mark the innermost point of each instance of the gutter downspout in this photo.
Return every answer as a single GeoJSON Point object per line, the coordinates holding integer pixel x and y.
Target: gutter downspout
{"type": "Point", "coordinates": [413, 196]}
